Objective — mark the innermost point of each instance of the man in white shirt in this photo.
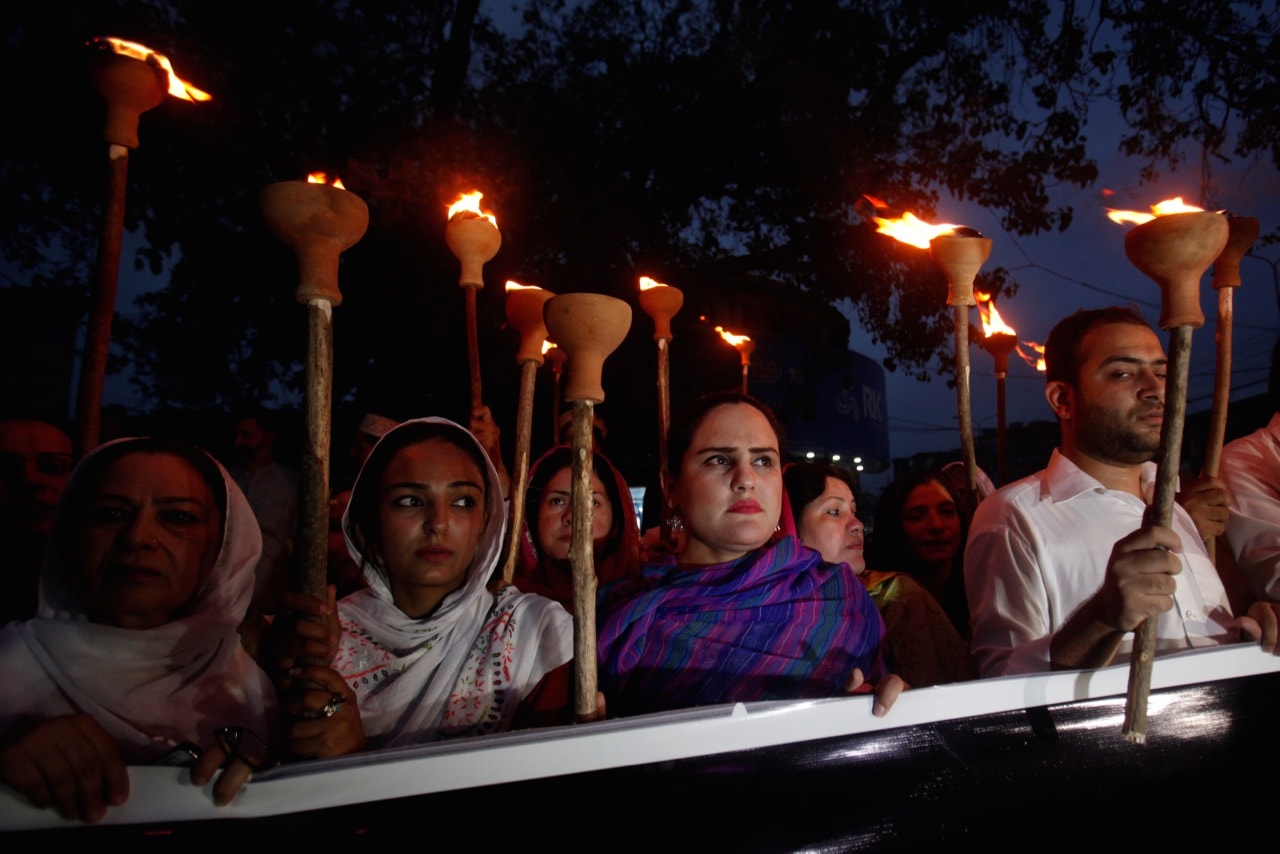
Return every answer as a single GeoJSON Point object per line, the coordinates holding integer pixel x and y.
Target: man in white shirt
{"type": "Point", "coordinates": [1059, 569]}
{"type": "Point", "coordinates": [1251, 470]}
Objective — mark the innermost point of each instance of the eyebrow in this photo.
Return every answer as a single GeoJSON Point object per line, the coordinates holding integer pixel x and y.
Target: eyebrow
{"type": "Point", "coordinates": [167, 499]}
{"type": "Point", "coordinates": [1133, 360]}
{"type": "Point", "coordinates": [456, 484]}
{"type": "Point", "coordinates": [729, 449]}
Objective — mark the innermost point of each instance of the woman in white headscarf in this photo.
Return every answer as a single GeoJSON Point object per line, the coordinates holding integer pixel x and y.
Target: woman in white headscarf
{"type": "Point", "coordinates": [133, 657]}
{"type": "Point", "coordinates": [427, 651]}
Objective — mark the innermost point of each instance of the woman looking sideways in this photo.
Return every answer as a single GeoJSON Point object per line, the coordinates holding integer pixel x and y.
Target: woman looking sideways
{"type": "Point", "coordinates": [738, 614]}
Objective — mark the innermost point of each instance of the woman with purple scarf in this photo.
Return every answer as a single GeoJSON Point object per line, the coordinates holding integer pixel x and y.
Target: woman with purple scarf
{"type": "Point", "coordinates": [738, 613]}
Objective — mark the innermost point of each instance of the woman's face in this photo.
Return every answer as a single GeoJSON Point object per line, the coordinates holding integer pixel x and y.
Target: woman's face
{"type": "Point", "coordinates": [931, 523]}
{"type": "Point", "coordinates": [829, 523]}
{"type": "Point", "coordinates": [555, 514]}
{"type": "Point", "coordinates": [431, 515]}
{"type": "Point", "coordinates": [150, 533]}
{"type": "Point", "coordinates": [728, 488]}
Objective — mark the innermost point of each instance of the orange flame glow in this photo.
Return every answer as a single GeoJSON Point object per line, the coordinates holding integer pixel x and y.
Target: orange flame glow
{"type": "Point", "coordinates": [513, 285]}
{"type": "Point", "coordinates": [1168, 206]}
{"type": "Point", "coordinates": [908, 228]}
{"type": "Point", "coordinates": [1036, 361]}
{"type": "Point", "coordinates": [646, 283]}
{"type": "Point", "coordinates": [736, 340]}
{"type": "Point", "coordinates": [992, 322]}
{"type": "Point", "coordinates": [323, 178]}
{"type": "Point", "coordinates": [469, 203]}
{"type": "Point", "coordinates": [547, 347]}
{"type": "Point", "coordinates": [178, 87]}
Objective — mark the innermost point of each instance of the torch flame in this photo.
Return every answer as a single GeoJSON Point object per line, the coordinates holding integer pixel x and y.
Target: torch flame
{"type": "Point", "coordinates": [178, 87]}
{"type": "Point", "coordinates": [469, 204]}
{"type": "Point", "coordinates": [1168, 206]}
{"type": "Point", "coordinates": [646, 283]}
{"type": "Point", "coordinates": [513, 285]}
{"type": "Point", "coordinates": [1036, 361]}
{"type": "Point", "coordinates": [323, 178]}
{"type": "Point", "coordinates": [908, 228]}
{"type": "Point", "coordinates": [736, 340]}
{"type": "Point", "coordinates": [547, 346]}
{"type": "Point", "coordinates": [992, 322]}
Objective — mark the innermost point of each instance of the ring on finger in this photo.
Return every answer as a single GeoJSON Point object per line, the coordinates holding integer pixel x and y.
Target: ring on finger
{"type": "Point", "coordinates": [334, 705]}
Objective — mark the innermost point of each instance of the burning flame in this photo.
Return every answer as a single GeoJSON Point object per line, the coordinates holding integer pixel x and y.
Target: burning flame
{"type": "Point", "coordinates": [513, 285]}
{"type": "Point", "coordinates": [646, 283]}
{"type": "Point", "coordinates": [547, 346]}
{"type": "Point", "coordinates": [908, 228]}
{"type": "Point", "coordinates": [736, 340]}
{"type": "Point", "coordinates": [178, 87]}
{"type": "Point", "coordinates": [992, 322]}
{"type": "Point", "coordinates": [1036, 361]}
{"type": "Point", "coordinates": [323, 178]}
{"type": "Point", "coordinates": [1168, 206]}
{"type": "Point", "coordinates": [469, 203]}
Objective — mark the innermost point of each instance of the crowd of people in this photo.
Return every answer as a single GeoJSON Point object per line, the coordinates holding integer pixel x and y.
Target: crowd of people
{"type": "Point", "coordinates": [151, 619]}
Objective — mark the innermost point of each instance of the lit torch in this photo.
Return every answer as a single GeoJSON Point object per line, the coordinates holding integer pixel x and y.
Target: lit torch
{"type": "Point", "coordinates": [960, 253]}
{"type": "Point", "coordinates": [661, 302]}
{"type": "Point", "coordinates": [998, 339]}
{"type": "Point", "coordinates": [588, 327]}
{"type": "Point", "coordinates": [318, 221]}
{"type": "Point", "coordinates": [1174, 247]}
{"type": "Point", "coordinates": [745, 347]}
{"type": "Point", "coordinates": [524, 312]}
{"type": "Point", "coordinates": [132, 79]}
{"type": "Point", "coordinates": [474, 239]}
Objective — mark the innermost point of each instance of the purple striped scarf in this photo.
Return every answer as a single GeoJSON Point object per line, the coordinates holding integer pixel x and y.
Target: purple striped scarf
{"type": "Point", "coordinates": [778, 623]}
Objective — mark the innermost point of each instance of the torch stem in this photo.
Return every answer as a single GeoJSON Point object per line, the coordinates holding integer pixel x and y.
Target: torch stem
{"type": "Point", "coordinates": [664, 402]}
{"type": "Point", "coordinates": [312, 563]}
{"type": "Point", "coordinates": [473, 347]}
{"type": "Point", "coordinates": [963, 402]}
{"type": "Point", "coordinates": [582, 563]}
{"type": "Point", "coordinates": [1221, 395]}
{"type": "Point", "coordinates": [1002, 467]}
{"type": "Point", "coordinates": [1159, 512]}
{"type": "Point", "coordinates": [102, 306]}
{"type": "Point", "coordinates": [746, 366]}
{"type": "Point", "coordinates": [524, 434]}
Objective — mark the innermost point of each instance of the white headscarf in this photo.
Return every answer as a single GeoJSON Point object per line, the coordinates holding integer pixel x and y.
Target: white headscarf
{"type": "Point", "coordinates": [149, 688]}
{"type": "Point", "coordinates": [464, 668]}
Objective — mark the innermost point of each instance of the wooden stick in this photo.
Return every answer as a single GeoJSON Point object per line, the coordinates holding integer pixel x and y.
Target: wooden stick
{"type": "Point", "coordinates": [102, 306]}
{"type": "Point", "coordinates": [313, 556]}
{"type": "Point", "coordinates": [1159, 512]}
{"type": "Point", "coordinates": [664, 405]}
{"type": "Point", "coordinates": [963, 400]}
{"type": "Point", "coordinates": [583, 564]}
{"type": "Point", "coordinates": [473, 347]}
{"type": "Point", "coordinates": [524, 435]}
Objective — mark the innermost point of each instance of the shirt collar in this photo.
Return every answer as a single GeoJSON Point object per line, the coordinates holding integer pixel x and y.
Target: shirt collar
{"type": "Point", "coordinates": [1063, 480]}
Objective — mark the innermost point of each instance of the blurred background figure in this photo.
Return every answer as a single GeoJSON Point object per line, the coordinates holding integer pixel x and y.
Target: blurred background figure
{"type": "Point", "coordinates": [35, 464]}
{"type": "Point", "coordinates": [272, 490]}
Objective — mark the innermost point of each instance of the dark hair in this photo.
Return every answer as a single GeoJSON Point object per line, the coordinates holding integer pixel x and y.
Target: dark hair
{"type": "Point", "coordinates": [887, 546]}
{"type": "Point", "coordinates": [362, 512]}
{"type": "Point", "coordinates": [686, 423]}
{"type": "Point", "coordinates": [1273, 378]}
{"type": "Point", "coordinates": [1062, 355]}
{"type": "Point", "coordinates": [557, 460]}
{"type": "Point", "coordinates": [805, 483]}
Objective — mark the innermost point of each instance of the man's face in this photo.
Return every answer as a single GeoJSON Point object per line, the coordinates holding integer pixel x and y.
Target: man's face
{"type": "Point", "coordinates": [1116, 408]}
{"type": "Point", "coordinates": [252, 443]}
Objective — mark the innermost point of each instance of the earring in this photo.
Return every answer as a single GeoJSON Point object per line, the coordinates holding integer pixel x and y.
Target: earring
{"type": "Point", "coordinates": [675, 522]}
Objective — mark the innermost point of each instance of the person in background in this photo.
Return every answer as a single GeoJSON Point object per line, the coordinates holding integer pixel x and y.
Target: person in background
{"type": "Point", "coordinates": [35, 464]}
{"type": "Point", "coordinates": [548, 526]}
{"type": "Point", "coordinates": [921, 645]}
{"type": "Point", "coordinates": [272, 490]}
{"type": "Point", "coordinates": [920, 530]}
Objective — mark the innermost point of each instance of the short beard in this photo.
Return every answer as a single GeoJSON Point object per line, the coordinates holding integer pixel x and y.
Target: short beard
{"type": "Point", "coordinates": [1105, 438]}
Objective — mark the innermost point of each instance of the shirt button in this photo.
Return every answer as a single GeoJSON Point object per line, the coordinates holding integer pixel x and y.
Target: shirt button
{"type": "Point", "coordinates": [1191, 615]}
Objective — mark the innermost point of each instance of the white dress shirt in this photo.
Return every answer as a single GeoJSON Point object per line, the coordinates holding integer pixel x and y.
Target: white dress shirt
{"type": "Point", "coordinates": [1038, 549]}
{"type": "Point", "coordinates": [1251, 470]}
